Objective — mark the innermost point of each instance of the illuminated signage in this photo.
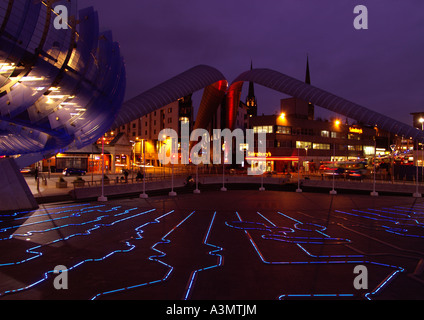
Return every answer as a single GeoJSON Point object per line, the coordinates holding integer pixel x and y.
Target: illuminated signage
{"type": "Point", "coordinates": [259, 154]}
{"type": "Point", "coordinates": [355, 130]}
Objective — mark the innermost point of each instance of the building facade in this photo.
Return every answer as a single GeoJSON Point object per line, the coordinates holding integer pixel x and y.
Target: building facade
{"type": "Point", "coordinates": [143, 133]}
{"type": "Point", "coordinates": [293, 135]}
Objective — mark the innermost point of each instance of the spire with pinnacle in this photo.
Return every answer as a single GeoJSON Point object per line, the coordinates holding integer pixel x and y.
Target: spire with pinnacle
{"type": "Point", "coordinates": [311, 108]}
{"type": "Point", "coordinates": [252, 107]}
{"type": "Point", "coordinates": [308, 75]}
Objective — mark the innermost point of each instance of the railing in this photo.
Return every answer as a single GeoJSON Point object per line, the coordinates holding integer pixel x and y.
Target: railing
{"type": "Point", "coordinates": [161, 174]}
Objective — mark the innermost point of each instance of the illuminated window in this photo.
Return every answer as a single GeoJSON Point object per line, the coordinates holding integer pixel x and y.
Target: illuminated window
{"type": "Point", "coordinates": [321, 146]}
{"type": "Point", "coordinates": [261, 129]}
{"type": "Point", "coordinates": [283, 130]}
{"type": "Point", "coordinates": [354, 148]}
{"type": "Point", "coordinates": [244, 146]}
{"type": "Point", "coordinates": [325, 133]}
{"type": "Point", "coordinates": [303, 144]}
{"type": "Point", "coordinates": [352, 136]}
{"type": "Point", "coordinates": [368, 150]}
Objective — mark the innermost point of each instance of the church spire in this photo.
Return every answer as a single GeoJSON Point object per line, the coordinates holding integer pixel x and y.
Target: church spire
{"type": "Point", "coordinates": [251, 87]}
{"type": "Point", "coordinates": [308, 75]}
{"type": "Point", "coordinates": [252, 108]}
{"type": "Point", "coordinates": [311, 108]}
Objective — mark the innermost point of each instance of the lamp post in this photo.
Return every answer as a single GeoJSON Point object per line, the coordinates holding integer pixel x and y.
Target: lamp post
{"type": "Point", "coordinates": [306, 160]}
{"type": "Point", "coordinates": [197, 191]}
{"type": "Point", "coordinates": [172, 193]}
{"type": "Point", "coordinates": [421, 120]}
{"type": "Point", "coordinates": [223, 168]}
{"type": "Point", "coordinates": [392, 162]}
{"type": "Point", "coordinates": [144, 195]}
{"type": "Point", "coordinates": [102, 198]}
{"type": "Point", "coordinates": [298, 171]}
{"type": "Point", "coordinates": [334, 192]}
{"type": "Point", "coordinates": [416, 194]}
{"type": "Point", "coordinates": [374, 193]}
{"type": "Point", "coordinates": [263, 170]}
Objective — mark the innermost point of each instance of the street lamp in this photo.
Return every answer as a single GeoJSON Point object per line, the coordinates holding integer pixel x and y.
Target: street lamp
{"type": "Point", "coordinates": [299, 190]}
{"type": "Point", "coordinates": [144, 194]}
{"type": "Point", "coordinates": [392, 162]}
{"type": "Point", "coordinates": [102, 198]}
{"type": "Point", "coordinates": [421, 120]}
{"type": "Point", "coordinates": [172, 193]}
{"type": "Point", "coordinates": [306, 160]}
{"type": "Point", "coordinates": [223, 168]}
{"type": "Point", "coordinates": [197, 191]}
{"type": "Point", "coordinates": [334, 192]}
{"type": "Point", "coordinates": [374, 193]}
{"type": "Point", "coordinates": [416, 194]}
{"type": "Point", "coordinates": [263, 170]}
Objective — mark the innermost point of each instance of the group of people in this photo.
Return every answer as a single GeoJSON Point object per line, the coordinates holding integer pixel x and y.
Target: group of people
{"type": "Point", "coordinates": [126, 173]}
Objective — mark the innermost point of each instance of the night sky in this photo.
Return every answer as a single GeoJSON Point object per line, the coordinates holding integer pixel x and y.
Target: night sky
{"type": "Point", "coordinates": [381, 68]}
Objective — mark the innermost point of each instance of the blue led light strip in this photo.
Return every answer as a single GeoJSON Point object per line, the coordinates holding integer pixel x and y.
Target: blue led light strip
{"type": "Point", "coordinates": [263, 227]}
{"type": "Point", "coordinates": [155, 258]}
{"type": "Point", "coordinates": [87, 232]}
{"type": "Point", "coordinates": [46, 274]}
{"type": "Point", "coordinates": [400, 225]}
{"type": "Point", "coordinates": [77, 214]}
{"type": "Point", "coordinates": [212, 253]}
{"type": "Point", "coordinates": [30, 233]}
{"type": "Point", "coordinates": [20, 213]}
{"type": "Point", "coordinates": [34, 250]}
{"type": "Point", "coordinates": [317, 295]}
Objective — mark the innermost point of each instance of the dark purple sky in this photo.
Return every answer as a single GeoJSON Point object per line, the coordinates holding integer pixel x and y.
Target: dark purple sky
{"type": "Point", "coordinates": [381, 68]}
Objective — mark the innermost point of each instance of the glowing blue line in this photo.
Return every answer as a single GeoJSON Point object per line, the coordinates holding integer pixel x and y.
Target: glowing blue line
{"type": "Point", "coordinates": [152, 258]}
{"type": "Point", "coordinates": [272, 223]}
{"type": "Point", "coordinates": [329, 256]}
{"type": "Point", "coordinates": [212, 253]}
{"type": "Point", "coordinates": [77, 214]}
{"type": "Point", "coordinates": [368, 295]}
{"type": "Point", "coordinates": [316, 295]}
{"type": "Point", "coordinates": [46, 274]}
{"type": "Point", "coordinates": [42, 209]}
{"type": "Point", "coordinates": [289, 217]}
{"type": "Point", "coordinates": [38, 254]}
{"type": "Point", "coordinates": [384, 217]}
{"type": "Point", "coordinates": [382, 284]}
{"type": "Point", "coordinates": [394, 230]}
{"type": "Point", "coordinates": [309, 240]}
{"type": "Point", "coordinates": [87, 232]}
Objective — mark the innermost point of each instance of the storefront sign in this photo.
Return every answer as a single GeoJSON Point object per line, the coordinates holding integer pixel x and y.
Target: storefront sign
{"type": "Point", "coordinates": [259, 154]}
{"type": "Point", "coordinates": [355, 130]}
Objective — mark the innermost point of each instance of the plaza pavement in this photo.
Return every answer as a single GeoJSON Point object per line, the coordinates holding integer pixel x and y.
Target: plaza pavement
{"type": "Point", "coordinates": [234, 245]}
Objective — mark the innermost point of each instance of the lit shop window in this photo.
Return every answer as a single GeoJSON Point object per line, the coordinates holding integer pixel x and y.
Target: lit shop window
{"type": "Point", "coordinates": [369, 150]}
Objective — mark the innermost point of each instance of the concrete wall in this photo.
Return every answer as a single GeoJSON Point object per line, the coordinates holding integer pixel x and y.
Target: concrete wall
{"type": "Point", "coordinates": [122, 189]}
{"type": "Point", "coordinates": [364, 186]}
{"type": "Point", "coordinates": [15, 194]}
